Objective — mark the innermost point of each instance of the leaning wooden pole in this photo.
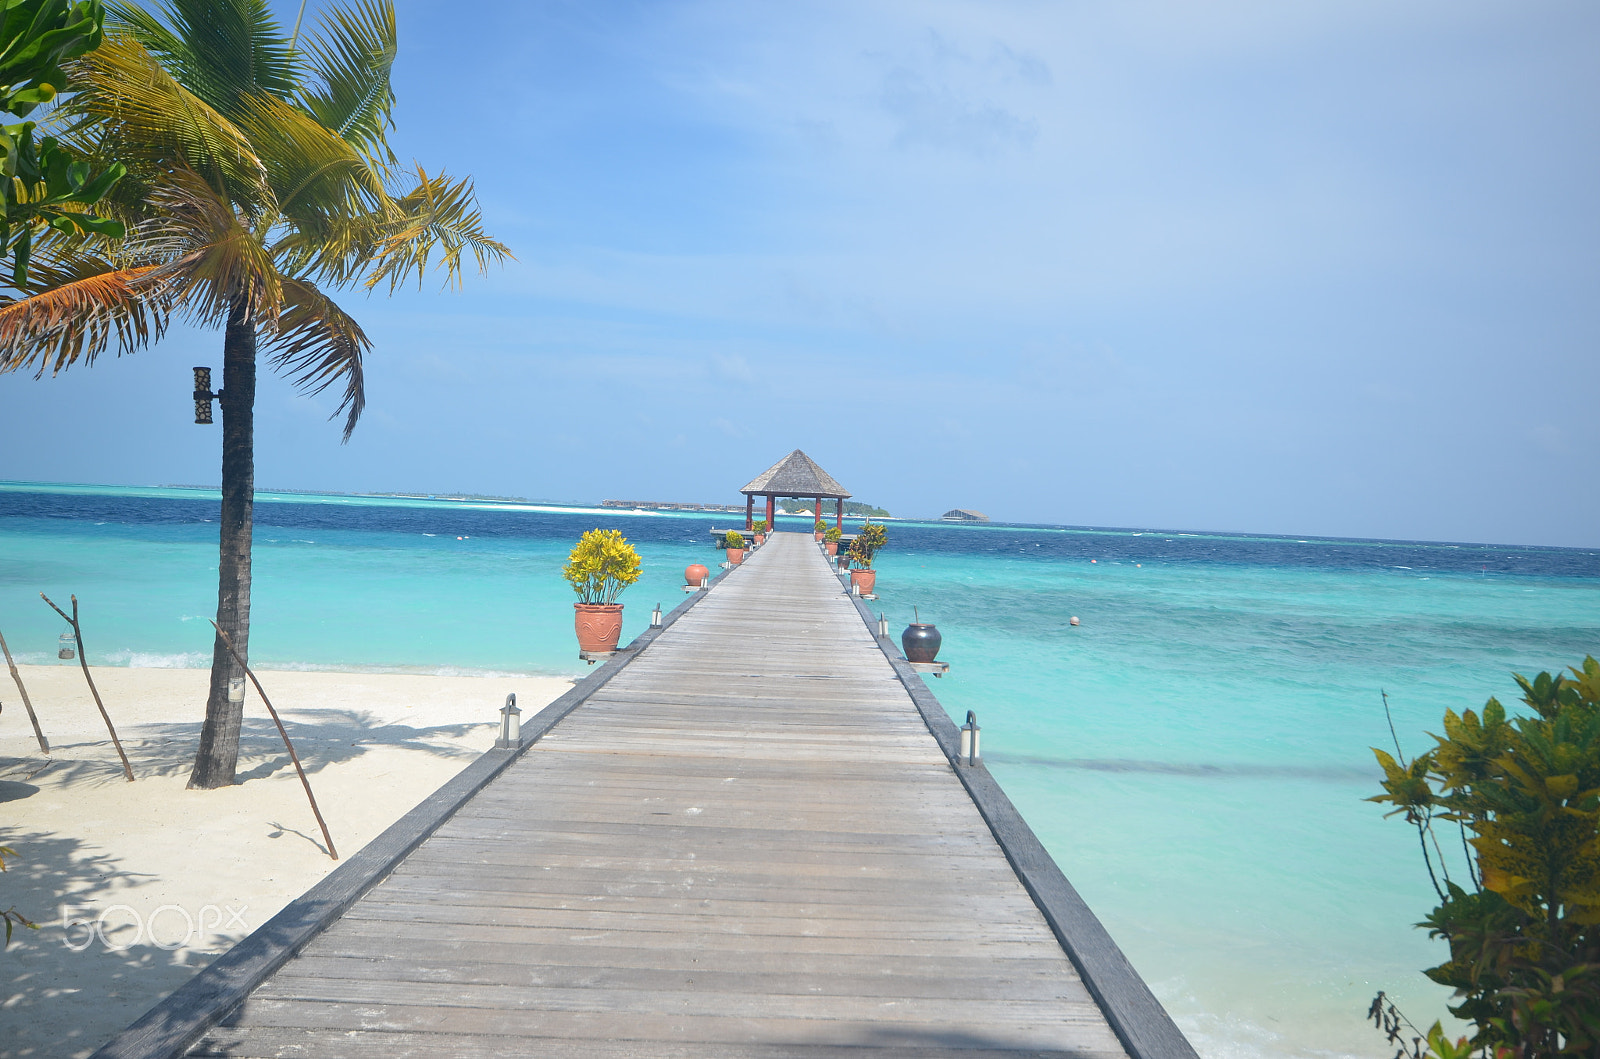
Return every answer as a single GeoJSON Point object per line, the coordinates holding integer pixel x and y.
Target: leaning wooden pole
{"type": "Point", "coordinates": [77, 634]}
{"type": "Point", "coordinates": [44, 744]}
{"type": "Point", "coordinates": [292, 755]}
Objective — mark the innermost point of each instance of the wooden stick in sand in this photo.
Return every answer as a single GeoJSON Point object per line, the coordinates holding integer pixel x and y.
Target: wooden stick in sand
{"type": "Point", "coordinates": [44, 744]}
{"type": "Point", "coordinates": [292, 755]}
{"type": "Point", "coordinates": [77, 633]}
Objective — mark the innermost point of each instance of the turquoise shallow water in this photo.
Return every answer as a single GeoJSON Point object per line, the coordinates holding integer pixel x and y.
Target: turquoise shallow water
{"type": "Point", "coordinates": [1194, 753]}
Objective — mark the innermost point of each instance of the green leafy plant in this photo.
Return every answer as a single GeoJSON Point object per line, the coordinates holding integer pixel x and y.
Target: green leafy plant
{"type": "Point", "coordinates": [760, 526]}
{"type": "Point", "coordinates": [1523, 919]}
{"type": "Point", "coordinates": [869, 541]}
{"type": "Point", "coordinates": [42, 183]}
{"type": "Point", "coordinates": [732, 539]}
{"type": "Point", "coordinates": [833, 533]}
{"type": "Point", "coordinates": [819, 526]}
{"type": "Point", "coordinates": [601, 565]}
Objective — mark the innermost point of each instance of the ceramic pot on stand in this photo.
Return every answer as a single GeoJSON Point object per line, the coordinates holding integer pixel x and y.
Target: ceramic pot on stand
{"type": "Point", "coordinates": [599, 626]}
{"type": "Point", "coordinates": [921, 642]}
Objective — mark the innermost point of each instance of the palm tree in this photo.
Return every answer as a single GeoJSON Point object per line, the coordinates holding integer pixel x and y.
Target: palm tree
{"type": "Point", "coordinates": [259, 178]}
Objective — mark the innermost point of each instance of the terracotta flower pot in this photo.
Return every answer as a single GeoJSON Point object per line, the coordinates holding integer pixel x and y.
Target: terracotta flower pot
{"type": "Point", "coordinates": [695, 573]}
{"type": "Point", "coordinates": [736, 555]}
{"type": "Point", "coordinates": [867, 579]}
{"type": "Point", "coordinates": [833, 547]}
{"type": "Point", "coordinates": [761, 538]}
{"type": "Point", "coordinates": [599, 626]}
{"type": "Point", "coordinates": [816, 535]}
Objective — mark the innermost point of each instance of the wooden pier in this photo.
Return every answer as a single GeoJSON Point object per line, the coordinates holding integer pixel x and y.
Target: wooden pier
{"type": "Point", "coordinates": [743, 836]}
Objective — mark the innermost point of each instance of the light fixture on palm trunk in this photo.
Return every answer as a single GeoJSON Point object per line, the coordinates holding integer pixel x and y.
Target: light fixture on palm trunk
{"type": "Point", "coordinates": [203, 396]}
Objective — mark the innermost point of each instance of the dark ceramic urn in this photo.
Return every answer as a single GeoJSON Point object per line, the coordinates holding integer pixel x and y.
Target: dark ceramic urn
{"type": "Point", "coordinates": [921, 642]}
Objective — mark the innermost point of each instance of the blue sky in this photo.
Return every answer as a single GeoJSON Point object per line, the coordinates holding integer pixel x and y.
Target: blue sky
{"type": "Point", "coordinates": [1313, 268]}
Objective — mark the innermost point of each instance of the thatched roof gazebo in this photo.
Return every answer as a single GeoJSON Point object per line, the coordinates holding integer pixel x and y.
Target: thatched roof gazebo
{"type": "Point", "coordinates": [795, 477]}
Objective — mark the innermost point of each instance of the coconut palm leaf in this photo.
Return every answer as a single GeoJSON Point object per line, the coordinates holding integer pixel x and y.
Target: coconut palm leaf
{"type": "Point", "coordinates": [437, 216]}
{"type": "Point", "coordinates": [224, 51]}
{"type": "Point", "coordinates": [213, 262]}
{"type": "Point", "coordinates": [88, 303]}
{"type": "Point", "coordinates": [350, 57]}
{"type": "Point", "coordinates": [315, 173]}
{"type": "Point", "coordinates": [317, 344]}
{"type": "Point", "coordinates": [139, 112]}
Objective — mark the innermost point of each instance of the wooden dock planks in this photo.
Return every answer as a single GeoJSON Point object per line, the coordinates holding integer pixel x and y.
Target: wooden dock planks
{"type": "Point", "coordinates": [746, 843]}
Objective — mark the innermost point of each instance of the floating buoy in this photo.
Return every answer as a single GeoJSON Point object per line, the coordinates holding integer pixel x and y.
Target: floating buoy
{"type": "Point", "coordinates": [1073, 620]}
{"type": "Point", "coordinates": [1094, 560]}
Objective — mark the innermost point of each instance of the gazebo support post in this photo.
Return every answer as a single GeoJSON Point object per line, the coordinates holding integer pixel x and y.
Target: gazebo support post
{"type": "Point", "coordinates": [749, 514]}
{"type": "Point", "coordinates": [838, 514]}
{"type": "Point", "coordinates": [772, 513]}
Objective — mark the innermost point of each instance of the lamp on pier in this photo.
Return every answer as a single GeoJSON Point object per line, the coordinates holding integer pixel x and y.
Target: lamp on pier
{"type": "Point", "coordinates": [655, 617]}
{"type": "Point", "coordinates": [203, 396]}
{"type": "Point", "coordinates": [510, 725]}
{"type": "Point", "coordinates": [969, 740]}
{"type": "Point", "coordinates": [883, 626]}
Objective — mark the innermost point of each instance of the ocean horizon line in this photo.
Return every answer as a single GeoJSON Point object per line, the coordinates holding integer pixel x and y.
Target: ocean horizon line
{"type": "Point", "coordinates": [486, 503]}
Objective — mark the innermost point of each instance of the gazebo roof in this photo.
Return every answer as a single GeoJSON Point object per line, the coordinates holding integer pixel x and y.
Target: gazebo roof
{"type": "Point", "coordinates": [796, 475]}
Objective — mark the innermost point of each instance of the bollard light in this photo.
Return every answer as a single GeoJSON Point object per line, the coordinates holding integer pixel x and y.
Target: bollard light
{"type": "Point", "coordinates": [66, 647]}
{"type": "Point", "coordinates": [203, 396]}
{"type": "Point", "coordinates": [655, 617]}
{"type": "Point", "coordinates": [510, 724]}
{"type": "Point", "coordinates": [969, 740]}
{"type": "Point", "coordinates": [883, 626]}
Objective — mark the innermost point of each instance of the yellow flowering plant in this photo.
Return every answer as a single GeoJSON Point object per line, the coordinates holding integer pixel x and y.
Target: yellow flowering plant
{"type": "Point", "coordinates": [601, 565]}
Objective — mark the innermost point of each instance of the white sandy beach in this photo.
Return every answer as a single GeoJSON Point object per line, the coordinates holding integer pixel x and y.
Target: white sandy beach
{"type": "Point", "coordinates": [137, 885]}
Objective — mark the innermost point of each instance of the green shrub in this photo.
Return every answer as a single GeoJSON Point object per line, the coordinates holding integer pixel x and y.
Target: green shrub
{"type": "Point", "coordinates": [867, 544]}
{"type": "Point", "coordinates": [760, 526]}
{"type": "Point", "coordinates": [1523, 922]}
{"type": "Point", "coordinates": [732, 539]}
{"type": "Point", "coordinates": [832, 533]}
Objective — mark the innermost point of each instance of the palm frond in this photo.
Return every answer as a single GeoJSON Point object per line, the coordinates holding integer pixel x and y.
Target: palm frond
{"type": "Point", "coordinates": [350, 57]}
{"type": "Point", "coordinates": [223, 51]}
{"type": "Point", "coordinates": [147, 120]}
{"type": "Point", "coordinates": [87, 306]}
{"type": "Point", "coordinates": [314, 173]}
{"type": "Point", "coordinates": [438, 216]}
{"type": "Point", "coordinates": [212, 261]}
{"type": "Point", "coordinates": [317, 344]}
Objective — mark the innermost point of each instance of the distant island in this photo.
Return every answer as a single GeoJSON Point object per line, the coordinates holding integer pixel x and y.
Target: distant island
{"type": "Point", "coordinates": [962, 514]}
{"type": "Point", "coordinates": [851, 507]}
{"type": "Point", "coordinates": [668, 505]}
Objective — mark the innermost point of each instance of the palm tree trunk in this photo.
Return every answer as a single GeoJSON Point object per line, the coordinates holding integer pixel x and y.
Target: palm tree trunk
{"type": "Point", "coordinates": [219, 739]}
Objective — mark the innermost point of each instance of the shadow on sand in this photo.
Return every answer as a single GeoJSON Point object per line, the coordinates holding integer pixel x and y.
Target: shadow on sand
{"type": "Point", "coordinates": [92, 951]}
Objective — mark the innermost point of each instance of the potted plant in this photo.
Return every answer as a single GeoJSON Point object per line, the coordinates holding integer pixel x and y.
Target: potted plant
{"type": "Point", "coordinates": [862, 551]}
{"type": "Point", "coordinates": [760, 530]}
{"type": "Point", "coordinates": [819, 529]}
{"type": "Point", "coordinates": [601, 565]}
{"type": "Point", "coordinates": [830, 539]}
{"type": "Point", "coordinates": [733, 544]}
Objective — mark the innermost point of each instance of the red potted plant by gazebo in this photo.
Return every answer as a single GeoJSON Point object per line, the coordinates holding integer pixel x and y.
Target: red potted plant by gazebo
{"type": "Point", "coordinates": [601, 565]}
{"type": "Point", "coordinates": [819, 528]}
{"type": "Point", "coordinates": [830, 539]}
{"type": "Point", "coordinates": [733, 544]}
{"type": "Point", "coordinates": [760, 530]}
